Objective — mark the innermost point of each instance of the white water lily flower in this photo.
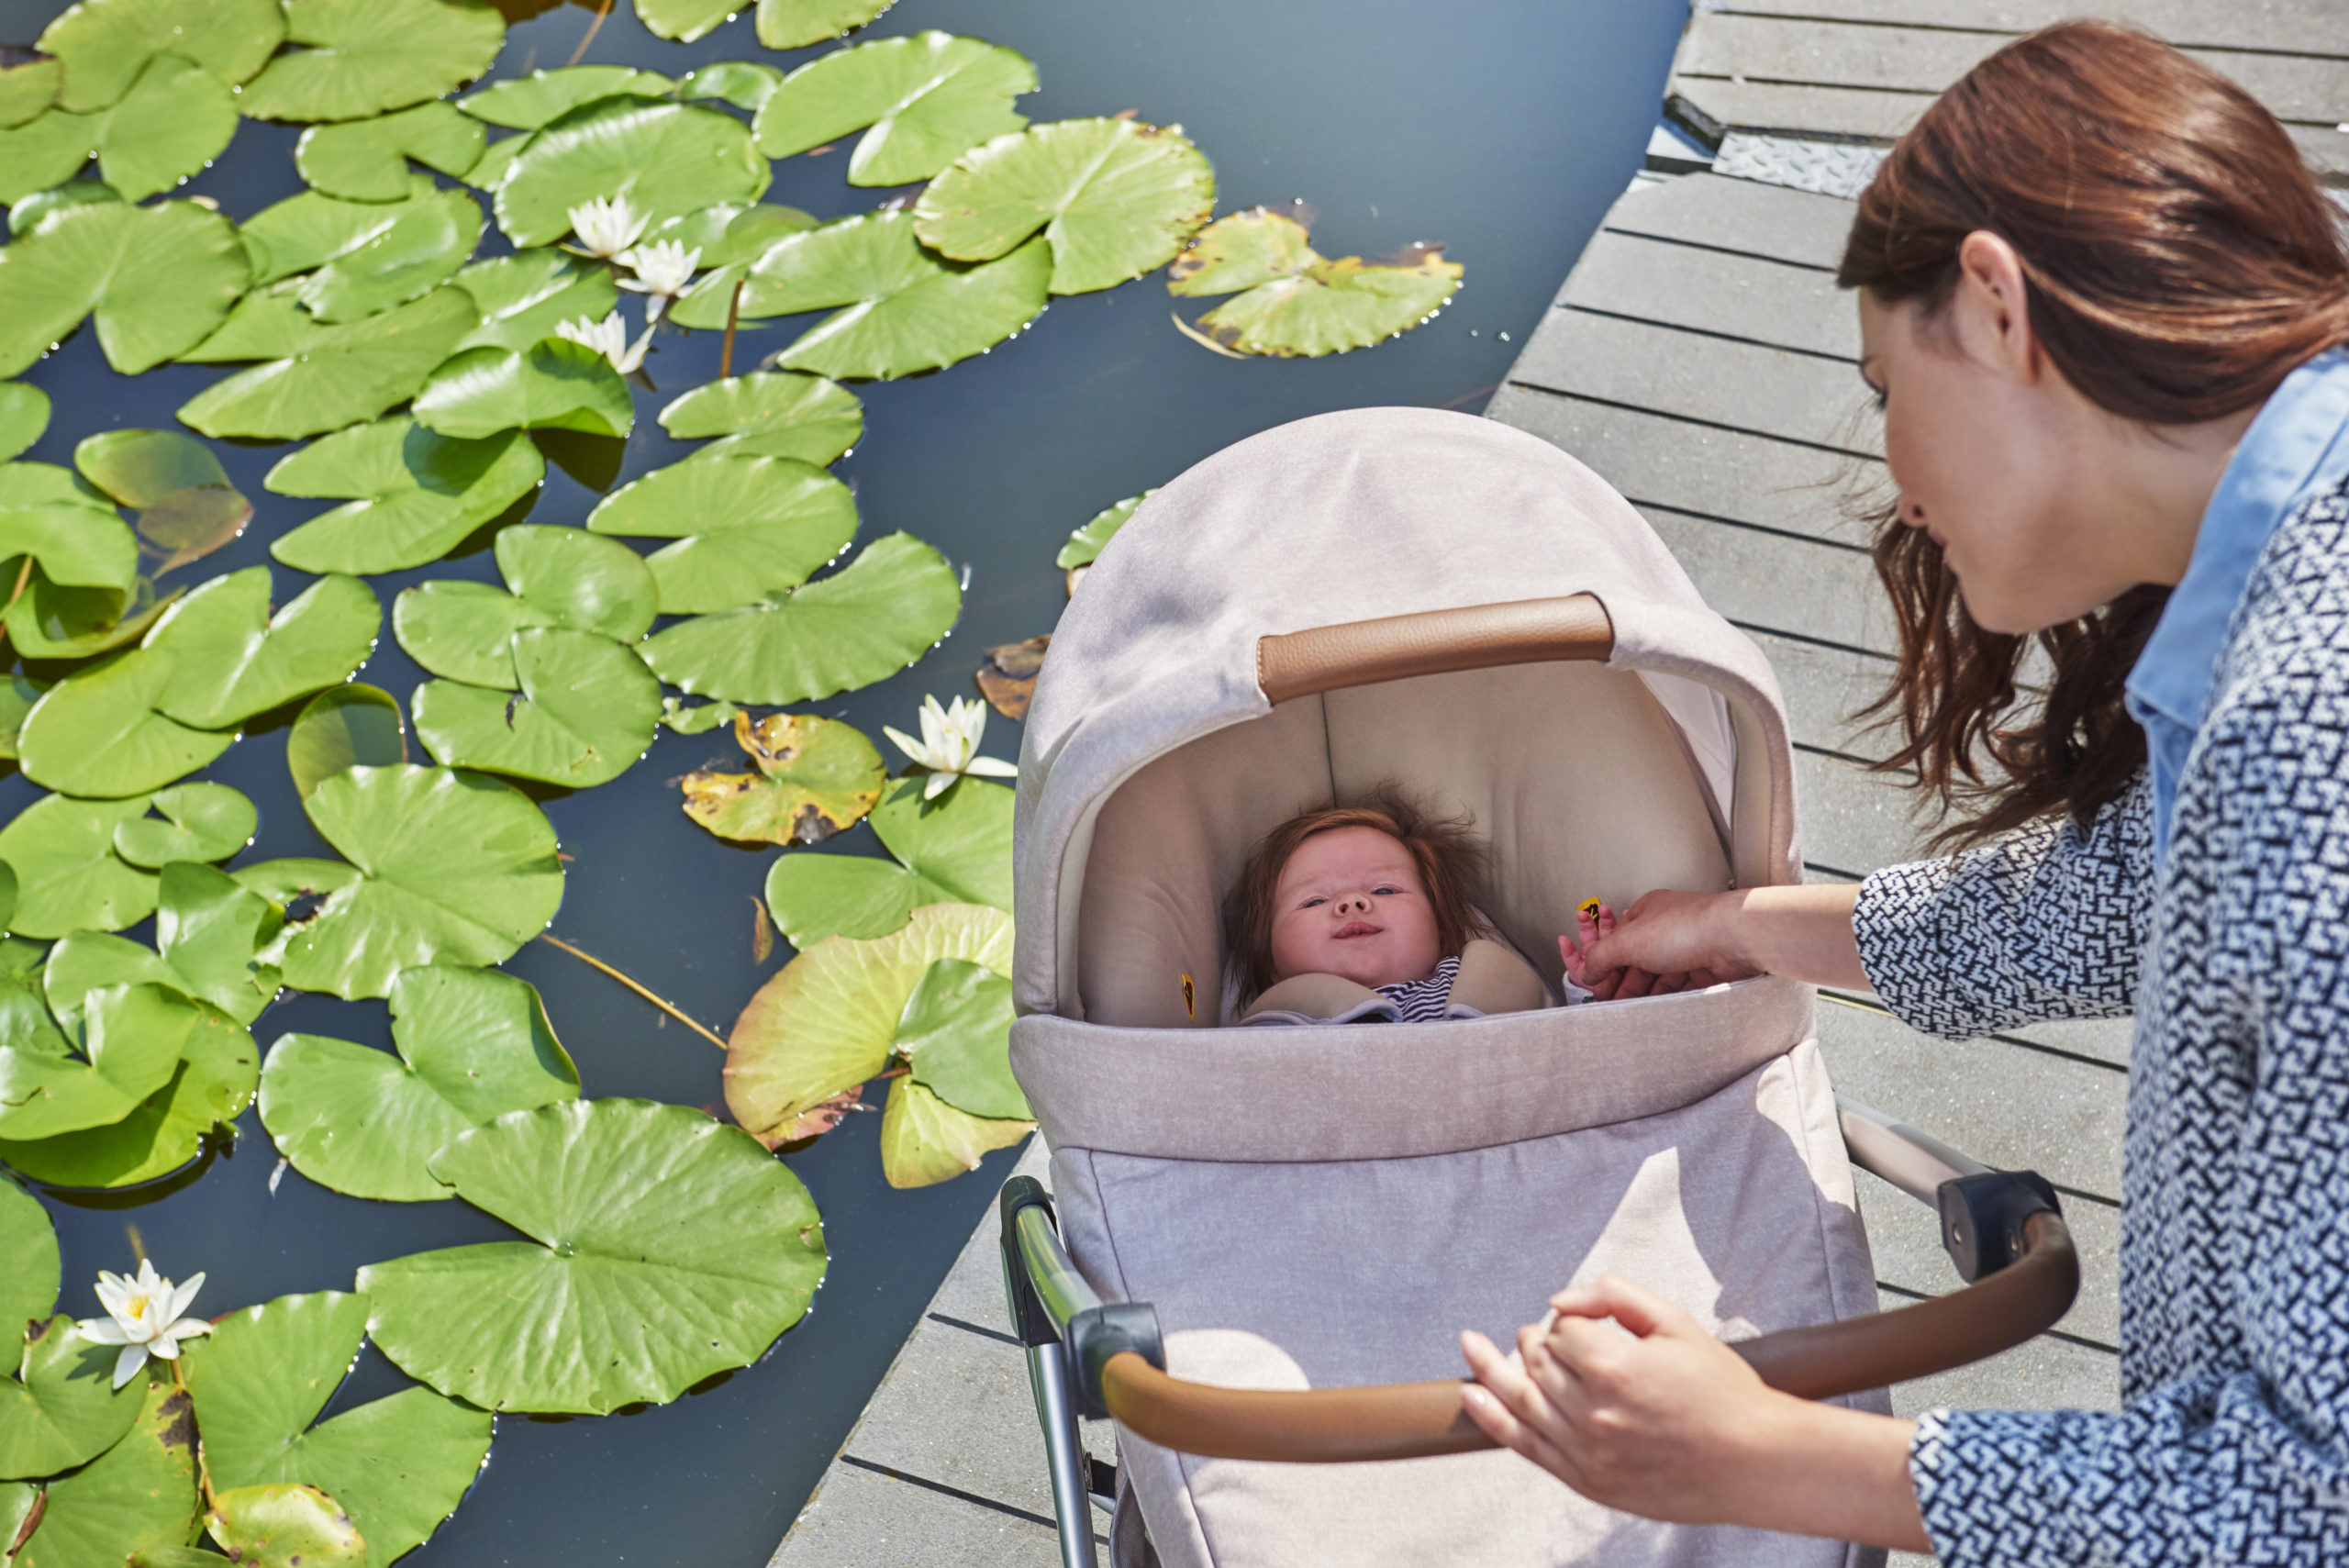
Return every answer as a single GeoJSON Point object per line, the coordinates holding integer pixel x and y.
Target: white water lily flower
{"type": "Point", "coordinates": [143, 1316]}
{"type": "Point", "coordinates": [606, 228]}
{"type": "Point", "coordinates": [664, 268]}
{"type": "Point", "coordinates": [609, 338]}
{"type": "Point", "coordinates": [949, 746]}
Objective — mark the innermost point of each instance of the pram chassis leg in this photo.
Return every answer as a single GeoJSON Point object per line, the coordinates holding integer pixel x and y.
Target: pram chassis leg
{"type": "Point", "coordinates": [1048, 1374]}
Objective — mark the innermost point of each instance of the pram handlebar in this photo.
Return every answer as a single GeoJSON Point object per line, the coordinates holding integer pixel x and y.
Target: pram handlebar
{"type": "Point", "coordinates": [1394, 648]}
{"type": "Point", "coordinates": [2003, 1229]}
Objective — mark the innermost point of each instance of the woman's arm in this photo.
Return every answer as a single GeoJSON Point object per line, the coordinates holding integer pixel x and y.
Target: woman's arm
{"type": "Point", "coordinates": [1802, 932]}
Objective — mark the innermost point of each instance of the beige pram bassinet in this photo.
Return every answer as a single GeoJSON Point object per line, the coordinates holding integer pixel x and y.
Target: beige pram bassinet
{"type": "Point", "coordinates": [1439, 600]}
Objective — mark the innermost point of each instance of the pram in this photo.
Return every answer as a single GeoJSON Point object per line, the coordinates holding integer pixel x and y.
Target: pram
{"type": "Point", "coordinates": [1260, 1243]}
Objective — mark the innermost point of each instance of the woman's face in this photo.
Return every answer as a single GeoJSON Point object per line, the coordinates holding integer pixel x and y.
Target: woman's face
{"type": "Point", "coordinates": [1350, 902]}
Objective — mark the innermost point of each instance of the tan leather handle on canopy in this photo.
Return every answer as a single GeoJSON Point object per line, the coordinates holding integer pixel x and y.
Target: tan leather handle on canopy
{"type": "Point", "coordinates": [1479, 637]}
{"type": "Point", "coordinates": [1415, 1420]}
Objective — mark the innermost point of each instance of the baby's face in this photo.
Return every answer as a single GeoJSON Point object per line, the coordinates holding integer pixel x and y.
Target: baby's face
{"type": "Point", "coordinates": [1350, 902]}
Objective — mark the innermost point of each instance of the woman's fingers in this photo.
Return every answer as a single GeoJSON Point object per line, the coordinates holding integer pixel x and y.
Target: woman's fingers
{"type": "Point", "coordinates": [1611, 1295]}
{"type": "Point", "coordinates": [1510, 1408]}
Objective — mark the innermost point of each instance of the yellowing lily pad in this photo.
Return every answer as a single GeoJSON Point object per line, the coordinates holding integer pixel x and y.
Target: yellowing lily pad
{"type": "Point", "coordinates": [815, 777]}
{"type": "Point", "coordinates": [924, 1140]}
{"type": "Point", "coordinates": [187, 506]}
{"type": "Point", "coordinates": [137, 1496]}
{"type": "Point", "coordinates": [285, 1526]}
{"type": "Point", "coordinates": [1296, 304]}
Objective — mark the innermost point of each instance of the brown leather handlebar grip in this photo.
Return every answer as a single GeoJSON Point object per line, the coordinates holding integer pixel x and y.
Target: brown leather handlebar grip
{"type": "Point", "coordinates": [1477, 637]}
{"type": "Point", "coordinates": [1416, 1420]}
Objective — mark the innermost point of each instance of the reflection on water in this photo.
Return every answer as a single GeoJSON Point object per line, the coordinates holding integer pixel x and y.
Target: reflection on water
{"type": "Point", "coordinates": [1501, 127]}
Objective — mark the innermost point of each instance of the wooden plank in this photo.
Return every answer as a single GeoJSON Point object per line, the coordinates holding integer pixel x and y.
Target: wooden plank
{"type": "Point", "coordinates": [1904, 1238]}
{"type": "Point", "coordinates": [1738, 386]}
{"type": "Point", "coordinates": [1852, 820]}
{"type": "Point", "coordinates": [860, 1520]}
{"type": "Point", "coordinates": [2305, 27]}
{"type": "Point", "coordinates": [1795, 227]}
{"type": "Point", "coordinates": [1824, 689]}
{"type": "Point", "coordinates": [1678, 285]}
{"type": "Point", "coordinates": [1656, 460]}
{"type": "Point", "coordinates": [1779, 583]}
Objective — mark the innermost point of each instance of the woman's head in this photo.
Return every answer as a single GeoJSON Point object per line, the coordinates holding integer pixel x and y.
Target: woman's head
{"type": "Point", "coordinates": [1376, 893]}
{"type": "Point", "coordinates": [2080, 273]}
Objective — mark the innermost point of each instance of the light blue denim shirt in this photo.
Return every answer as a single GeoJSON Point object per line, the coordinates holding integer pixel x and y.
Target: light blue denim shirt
{"type": "Point", "coordinates": [2296, 446]}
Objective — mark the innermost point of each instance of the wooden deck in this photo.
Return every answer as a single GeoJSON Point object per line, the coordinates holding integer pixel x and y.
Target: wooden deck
{"type": "Point", "coordinates": [1699, 358]}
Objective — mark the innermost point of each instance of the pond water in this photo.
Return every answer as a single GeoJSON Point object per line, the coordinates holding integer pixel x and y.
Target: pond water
{"type": "Point", "coordinates": [1503, 128]}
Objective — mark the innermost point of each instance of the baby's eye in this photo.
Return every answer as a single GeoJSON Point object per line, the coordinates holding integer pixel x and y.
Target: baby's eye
{"type": "Point", "coordinates": [1386, 889]}
{"type": "Point", "coordinates": [1312, 901]}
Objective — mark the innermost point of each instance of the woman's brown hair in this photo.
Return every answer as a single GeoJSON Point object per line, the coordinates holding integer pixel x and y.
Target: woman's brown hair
{"type": "Point", "coordinates": [1451, 861]}
{"type": "Point", "coordinates": [2181, 261]}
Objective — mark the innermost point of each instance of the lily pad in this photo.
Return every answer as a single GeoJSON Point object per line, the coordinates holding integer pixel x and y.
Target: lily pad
{"type": "Point", "coordinates": [320, 377]}
{"type": "Point", "coordinates": [45, 151]}
{"type": "Point", "coordinates": [68, 876]}
{"type": "Point", "coordinates": [697, 720]}
{"type": "Point", "coordinates": [51, 621]}
{"type": "Point", "coordinates": [282, 881]}
{"type": "Point", "coordinates": [587, 710]}
{"type": "Point", "coordinates": [177, 118]}
{"type": "Point", "coordinates": [187, 508]}
{"type": "Point", "coordinates": [138, 1496]}
{"type": "Point", "coordinates": [231, 659]}
{"type": "Point", "coordinates": [559, 577]}
{"type": "Point", "coordinates": [924, 1140]}
{"type": "Point", "coordinates": [665, 1247]}
{"type": "Point", "coordinates": [794, 24]}
{"type": "Point", "coordinates": [552, 385]}
{"type": "Point", "coordinates": [745, 84]}
{"type": "Point", "coordinates": [1084, 546]}
{"type": "Point", "coordinates": [415, 494]}
{"type": "Point", "coordinates": [1295, 303]}
{"type": "Point", "coordinates": [74, 542]}
{"type": "Point", "coordinates": [398, 1466]}
{"type": "Point", "coordinates": [827, 1020]}
{"type": "Point", "coordinates": [487, 175]}
{"type": "Point", "coordinates": [96, 733]}
{"type": "Point", "coordinates": [770, 413]}
{"type": "Point", "coordinates": [862, 624]}
{"type": "Point", "coordinates": [1114, 199]}
{"type": "Point", "coordinates": [31, 212]}
{"type": "Point", "coordinates": [62, 1407]}
{"type": "Point", "coordinates": [285, 1526]}
{"type": "Point", "coordinates": [367, 256]}
{"type": "Point", "coordinates": [24, 415]}
{"type": "Point", "coordinates": [956, 1031]}
{"type": "Point", "coordinates": [528, 101]}
{"type": "Point", "coordinates": [28, 1241]}
{"type": "Point", "coordinates": [133, 1036]}
{"type": "Point", "coordinates": [473, 1044]}
{"type": "Point", "coordinates": [815, 777]}
{"type": "Point", "coordinates": [455, 869]}
{"type": "Point", "coordinates": [523, 298]}
{"type": "Point", "coordinates": [18, 692]}
{"type": "Point", "coordinates": [104, 45]}
{"type": "Point", "coordinates": [27, 89]}
{"type": "Point", "coordinates": [192, 822]}
{"type": "Point", "coordinates": [955, 848]}
{"type": "Point", "coordinates": [927, 99]}
{"type": "Point", "coordinates": [159, 279]}
{"type": "Point", "coordinates": [218, 1069]}
{"type": "Point", "coordinates": [207, 930]}
{"type": "Point", "coordinates": [666, 158]}
{"type": "Point", "coordinates": [309, 229]}
{"type": "Point", "coordinates": [366, 161]}
{"type": "Point", "coordinates": [361, 57]}
{"type": "Point", "coordinates": [747, 528]}
{"type": "Point", "coordinates": [344, 727]}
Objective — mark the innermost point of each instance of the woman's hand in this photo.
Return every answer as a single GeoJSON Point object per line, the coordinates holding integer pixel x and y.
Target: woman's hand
{"type": "Point", "coordinates": [1668, 933]}
{"type": "Point", "coordinates": [1616, 984]}
{"type": "Point", "coordinates": [1803, 932]}
{"type": "Point", "coordinates": [1652, 1414]}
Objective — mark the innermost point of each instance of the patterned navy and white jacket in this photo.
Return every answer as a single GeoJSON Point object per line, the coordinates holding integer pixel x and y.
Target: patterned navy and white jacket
{"type": "Point", "coordinates": [2232, 948]}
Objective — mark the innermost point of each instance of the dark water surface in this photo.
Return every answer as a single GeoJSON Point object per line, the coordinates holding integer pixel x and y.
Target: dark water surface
{"type": "Point", "coordinates": [1503, 128]}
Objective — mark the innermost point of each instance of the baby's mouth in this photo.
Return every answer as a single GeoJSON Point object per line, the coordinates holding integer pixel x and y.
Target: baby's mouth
{"type": "Point", "coordinates": [1357, 929]}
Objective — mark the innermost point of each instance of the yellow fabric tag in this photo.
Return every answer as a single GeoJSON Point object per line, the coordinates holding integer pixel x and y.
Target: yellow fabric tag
{"type": "Point", "coordinates": [1190, 999]}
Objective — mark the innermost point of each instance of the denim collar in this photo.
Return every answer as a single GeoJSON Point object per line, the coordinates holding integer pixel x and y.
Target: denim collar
{"type": "Point", "coordinates": [2298, 444]}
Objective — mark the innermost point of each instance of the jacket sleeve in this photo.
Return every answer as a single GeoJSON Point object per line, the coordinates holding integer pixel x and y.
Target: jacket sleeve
{"type": "Point", "coordinates": [2046, 922]}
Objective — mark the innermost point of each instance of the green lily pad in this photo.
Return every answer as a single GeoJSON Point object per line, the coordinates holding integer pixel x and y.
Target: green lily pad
{"type": "Point", "coordinates": [1084, 546]}
{"type": "Point", "coordinates": [955, 848]}
{"type": "Point", "coordinates": [1114, 199]}
{"type": "Point", "coordinates": [24, 415]}
{"type": "Point", "coordinates": [924, 1140]}
{"type": "Point", "coordinates": [559, 577]}
{"type": "Point", "coordinates": [219, 1067]}
{"type": "Point", "coordinates": [133, 1038]}
{"type": "Point", "coordinates": [68, 876]}
{"type": "Point", "coordinates": [285, 1526]}
{"type": "Point", "coordinates": [745, 84]}
{"type": "Point", "coordinates": [956, 1031]}
{"type": "Point", "coordinates": [588, 708]}
{"type": "Point", "coordinates": [415, 494]}
{"type": "Point", "coordinates": [310, 228]}
{"type": "Point", "coordinates": [770, 413]}
{"type": "Point", "coordinates": [231, 659]}
{"type": "Point", "coordinates": [104, 45]}
{"type": "Point", "coordinates": [45, 151]}
{"type": "Point", "coordinates": [282, 881]}
{"type": "Point", "coordinates": [730, 238]}
{"type": "Point", "coordinates": [187, 508]}
{"type": "Point", "coordinates": [321, 377]}
{"type": "Point", "coordinates": [927, 99]}
{"type": "Point", "coordinates": [794, 24]}
{"type": "Point", "coordinates": [827, 1021]}
{"type": "Point", "coordinates": [96, 733]}
{"type": "Point", "coordinates": [473, 1044]}
{"type": "Point", "coordinates": [32, 211]}
{"type": "Point", "coordinates": [665, 1247]}
{"type": "Point", "coordinates": [159, 279]}
{"type": "Point", "coordinates": [666, 158]}
{"type": "Point", "coordinates": [51, 621]}
{"type": "Point", "coordinates": [207, 930]}
{"type": "Point", "coordinates": [697, 720]}
{"type": "Point", "coordinates": [862, 624]}
{"type": "Point", "coordinates": [367, 256]}
{"type": "Point", "coordinates": [1296, 304]}
{"type": "Point", "coordinates": [28, 1240]}
{"type": "Point", "coordinates": [523, 298]}
{"type": "Point", "coordinates": [487, 175]}
{"type": "Point", "coordinates": [344, 727]}
{"type": "Point", "coordinates": [177, 118]}
{"type": "Point", "coordinates": [455, 869]}
{"type": "Point", "coordinates": [192, 822]}
{"type": "Point", "coordinates": [74, 543]}
{"type": "Point", "coordinates": [398, 1466]}
{"type": "Point", "coordinates": [551, 385]}
{"type": "Point", "coordinates": [684, 20]}
{"type": "Point", "coordinates": [26, 90]}
{"type": "Point", "coordinates": [366, 161]}
{"type": "Point", "coordinates": [361, 57]}
{"type": "Point", "coordinates": [527, 103]}
{"type": "Point", "coordinates": [747, 528]}
{"type": "Point", "coordinates": [18, 692]}
{"type": "Point", "coordinates": [815, 777]}
{"type": "Point", "coordinates": [138, 1496]}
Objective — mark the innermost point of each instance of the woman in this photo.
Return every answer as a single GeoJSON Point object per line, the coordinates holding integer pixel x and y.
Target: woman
{"type": "Point", "coordinates": [2100, 299]}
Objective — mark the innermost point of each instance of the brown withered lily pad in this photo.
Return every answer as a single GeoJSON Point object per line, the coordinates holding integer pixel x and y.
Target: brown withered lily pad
{"type": "Point", "coordinates": [1007, 680]}
{"type": "Point", "coordinates": [815, 777]}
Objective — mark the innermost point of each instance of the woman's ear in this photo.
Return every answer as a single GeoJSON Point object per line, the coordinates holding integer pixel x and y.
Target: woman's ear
{"type": "Point", "coordinates": [1990, 312]}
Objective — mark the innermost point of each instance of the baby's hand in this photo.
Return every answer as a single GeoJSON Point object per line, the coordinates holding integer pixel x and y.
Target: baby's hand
{"type": "Point", "coordinates": [1596, 920]}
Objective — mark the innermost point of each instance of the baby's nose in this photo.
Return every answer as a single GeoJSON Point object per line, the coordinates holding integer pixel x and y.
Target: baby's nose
{"type": "Point", "coordinates": [1355, 901]}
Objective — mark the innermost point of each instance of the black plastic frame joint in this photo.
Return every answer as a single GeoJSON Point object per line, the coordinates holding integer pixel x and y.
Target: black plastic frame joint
{"type": "Point", "coordinates": [1983, 1216]}
{"type": "Point", "coordinates": [1100, 1332]}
